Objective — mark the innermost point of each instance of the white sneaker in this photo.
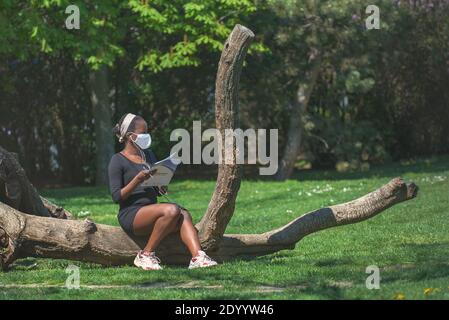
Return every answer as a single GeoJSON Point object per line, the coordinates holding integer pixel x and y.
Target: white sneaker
{"type": "Point", "coordinates": [147, 261]}
{"type": "Point", "coordinates": [201, 260]}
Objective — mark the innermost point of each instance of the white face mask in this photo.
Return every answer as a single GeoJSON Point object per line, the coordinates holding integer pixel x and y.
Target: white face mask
{"type": "Point", "coordinates": [143, 140]}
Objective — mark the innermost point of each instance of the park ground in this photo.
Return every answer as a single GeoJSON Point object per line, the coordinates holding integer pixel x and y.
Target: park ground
{"type": "Point", "coordinates": [409, 243]}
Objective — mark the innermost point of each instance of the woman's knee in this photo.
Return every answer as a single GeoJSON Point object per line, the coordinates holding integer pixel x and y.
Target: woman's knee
{"type": "Point", "coordinates": [186, 214]}
{"type": "Point", "coordinates": [172, 211]}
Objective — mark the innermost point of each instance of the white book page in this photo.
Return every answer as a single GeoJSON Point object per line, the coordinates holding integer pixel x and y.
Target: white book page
{"type": "Point", "coordinates": [162, 177]}
{"type": "Point", "coordinates": [165, 170]}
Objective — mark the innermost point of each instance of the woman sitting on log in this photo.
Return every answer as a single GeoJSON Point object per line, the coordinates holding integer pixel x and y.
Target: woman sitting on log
{"type": "Point", "coordinates": [139, 213]}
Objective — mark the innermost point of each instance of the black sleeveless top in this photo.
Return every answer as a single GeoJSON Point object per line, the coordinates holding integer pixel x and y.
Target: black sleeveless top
{"type": "Point", "coordinates": [121, 171]}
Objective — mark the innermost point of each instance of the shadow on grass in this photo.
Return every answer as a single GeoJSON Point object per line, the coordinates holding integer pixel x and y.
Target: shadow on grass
{"type": "Point", "coordinates": [432, 166]}
{"type": "Point", "coordinates": [389, 170]}
{"type": "Point", "coordinates": [331, 278]}
{"type": "Point", "coordinates": [251, 173]}
{"type": "Point", "coordinates": [326, 278]}
{"type": "Point", "coordinates": [430, 263]}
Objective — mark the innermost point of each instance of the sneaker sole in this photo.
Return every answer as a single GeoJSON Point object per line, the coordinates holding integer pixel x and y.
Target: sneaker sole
{"type": "Point", "coordinates": [145, 268]}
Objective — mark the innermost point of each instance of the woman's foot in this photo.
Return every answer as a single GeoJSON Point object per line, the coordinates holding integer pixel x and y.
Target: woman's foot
{"type": "Point", "coordinates": [201, 260]}
{"type": "Point", "coordinates": [147, 260]}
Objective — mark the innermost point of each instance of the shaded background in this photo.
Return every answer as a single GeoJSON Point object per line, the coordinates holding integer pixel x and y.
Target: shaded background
{"type": "Point", "coordinates": [341, 96]}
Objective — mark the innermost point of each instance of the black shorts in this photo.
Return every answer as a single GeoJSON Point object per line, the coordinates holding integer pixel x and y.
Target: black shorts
{"type": "Point", "coordinates": [126, 216]}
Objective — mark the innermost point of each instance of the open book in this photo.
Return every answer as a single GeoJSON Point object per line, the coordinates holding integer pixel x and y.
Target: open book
{"type": "Point", "coordinates": [165, 170]}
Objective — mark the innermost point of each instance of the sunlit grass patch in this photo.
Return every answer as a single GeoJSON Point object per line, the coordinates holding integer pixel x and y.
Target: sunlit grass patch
{"type": "Point", "coordinates": [409, 243]}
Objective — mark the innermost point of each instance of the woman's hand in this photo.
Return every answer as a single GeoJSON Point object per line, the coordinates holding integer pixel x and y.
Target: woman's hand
{"type": "Point", "coordinates": [144, 175]}
{"type": "Point", "coordinates": [135, 182]}
{"type": "Point", "coordinates": [162, 190]}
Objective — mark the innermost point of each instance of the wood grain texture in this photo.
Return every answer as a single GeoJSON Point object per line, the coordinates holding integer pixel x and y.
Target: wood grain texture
{"type": "Point", "coordinates": [221, 206]}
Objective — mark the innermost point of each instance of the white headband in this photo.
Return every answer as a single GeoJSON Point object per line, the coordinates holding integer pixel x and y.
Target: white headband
{"type": "Point", "coordinates": [125, 124]}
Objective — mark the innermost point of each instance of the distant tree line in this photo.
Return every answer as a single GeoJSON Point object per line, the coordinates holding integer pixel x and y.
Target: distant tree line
{"type": "Point", "coordinates": [342, 96]}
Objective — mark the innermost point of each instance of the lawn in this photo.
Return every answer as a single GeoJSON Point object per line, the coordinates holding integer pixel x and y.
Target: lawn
{"type": "Point", "coordinates": [409, 243]}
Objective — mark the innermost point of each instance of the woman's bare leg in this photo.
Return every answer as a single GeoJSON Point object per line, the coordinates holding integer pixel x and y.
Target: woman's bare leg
{"type": "Point", "coordinates": [189, 235]}
{"type": "Point", "coordinates": [157, 220]}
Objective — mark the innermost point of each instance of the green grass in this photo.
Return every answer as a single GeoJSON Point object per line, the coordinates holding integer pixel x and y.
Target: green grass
{"type": "Point", "coordinates": [409, 243]}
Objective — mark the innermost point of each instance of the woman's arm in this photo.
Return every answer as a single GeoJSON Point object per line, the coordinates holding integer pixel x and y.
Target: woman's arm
{"type": "Point", "coordinates": [115, 175]}
{"type": "Point", "coordinates": [138, 179]}
{"type": "Point", "coordinates": [118, 191]}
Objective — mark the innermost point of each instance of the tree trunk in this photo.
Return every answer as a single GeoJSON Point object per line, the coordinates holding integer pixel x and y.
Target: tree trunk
{"type": "Point", "coordinates": [17, 191]}
{"type": "Point", "coordinates": [102, 112]}
{"type": "Point", "coordinates": [293, 145]}
{"type": "Point", "coordinates": [23, 235]}
{"type": "Point", "coordinates": [123, 78]}
{"type": "Point", "coordinates": [295, 129]}
{"type": "Point", "coordinates": [221, 207]}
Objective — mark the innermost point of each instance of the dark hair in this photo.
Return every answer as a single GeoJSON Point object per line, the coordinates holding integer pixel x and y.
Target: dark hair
{"type": "Point", "coordinates": [131, 127]}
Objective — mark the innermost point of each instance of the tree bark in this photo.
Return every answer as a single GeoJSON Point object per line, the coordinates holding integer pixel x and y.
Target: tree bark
{"type": "Point", "coordinates": [23, 235]}
{"type": "Point", "coordinates": [221, 207]}
{"type": "Point", "coordinates": [102, 112]}
{"type": "Point", "coordinates": [17, 191]}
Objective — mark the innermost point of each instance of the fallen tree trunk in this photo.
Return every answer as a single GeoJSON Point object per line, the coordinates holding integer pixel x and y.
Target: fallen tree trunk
{"type": "Point", "coordinates": [23, 235]}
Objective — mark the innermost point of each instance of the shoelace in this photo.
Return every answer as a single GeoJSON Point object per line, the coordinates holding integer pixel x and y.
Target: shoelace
{"type": "Point", "coordinates": [153, 258]}
{"type": "Point", "coordinates": [156, 259]}
{"type": "Point", "coordinates": [206, 257]}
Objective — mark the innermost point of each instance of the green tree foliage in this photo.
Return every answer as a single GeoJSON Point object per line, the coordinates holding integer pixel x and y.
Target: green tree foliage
{"type": "Point", "coordinates": [135, 39]}
{"type": "Point", "coordinates": [167, 33]}
{"type": "Point", "coordinates": [375, 87]}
